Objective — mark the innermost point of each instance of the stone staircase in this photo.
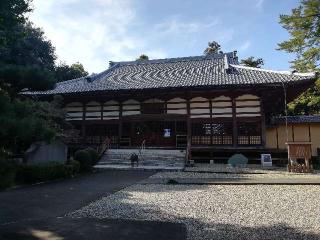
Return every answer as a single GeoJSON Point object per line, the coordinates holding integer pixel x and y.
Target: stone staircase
{"type": "Point", "coordinates": [148, 159]}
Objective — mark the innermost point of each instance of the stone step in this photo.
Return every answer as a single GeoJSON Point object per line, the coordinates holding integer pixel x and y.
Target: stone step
{"type": "Point", "coordinates": [145, 153]}
{"type": "Point", "coordinates": [146, 162]}
{"type": "Point", "coordinates": [144, 158]}
{"type": "Point", "coordinates": [148, 157]}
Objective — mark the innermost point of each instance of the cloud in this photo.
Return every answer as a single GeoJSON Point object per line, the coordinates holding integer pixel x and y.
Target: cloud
{"type": "Point", "coordinates": [259, 4]}
{"type": "Point", "coordinates": [177, 26]}
{"type": "Point", "coordinates": [245, 46]}
{"type": "Point", "coordinates": [91, 31]}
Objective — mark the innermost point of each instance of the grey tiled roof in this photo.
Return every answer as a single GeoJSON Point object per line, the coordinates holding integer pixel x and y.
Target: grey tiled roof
{"type": "Point", "coordinates": [298, 119]}
{"type": "Point", "coordinates": [201, 71]}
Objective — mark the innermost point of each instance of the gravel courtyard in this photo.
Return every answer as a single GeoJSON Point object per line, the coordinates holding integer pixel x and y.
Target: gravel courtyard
{"type": "Point", "coordinates": [219, 211]}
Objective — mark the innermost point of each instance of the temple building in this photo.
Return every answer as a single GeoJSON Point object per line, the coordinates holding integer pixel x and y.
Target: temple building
{"type": "Point", "coordinates": [210, 103]}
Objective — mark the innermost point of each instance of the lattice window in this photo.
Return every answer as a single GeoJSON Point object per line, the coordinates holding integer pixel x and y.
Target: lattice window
{"type": "Point", "coordinates": [200, 107]}
{"type": "Point", "coordinates": [201, 133]}
{"type": "Point", "coordinates": [222, 133]}
{"type": "Point", "coordinates": [111, 110]}
{"type": "Point", "coordinates": [153, 106]}
{"type": "Point", "coordinates": [221, 107]}
{"type": "Point", "coordinates": [93, 111]}
{"type": "Point", "coordinates": [130, 107]}
{"type": "Point", "coordinates": [249, 133]}
{"type": "Point", "coordinates": [177, 106]}
{"type": "Point", "coordinates": [248, 106]}
{"type": "Point", "coordinates": [74, 111]}
{"type": "Point", "coordinates": [200, 140]}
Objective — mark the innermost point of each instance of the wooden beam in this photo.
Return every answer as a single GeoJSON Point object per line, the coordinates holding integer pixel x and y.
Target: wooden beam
{"type": "Point", "coordinates": [234, 123]}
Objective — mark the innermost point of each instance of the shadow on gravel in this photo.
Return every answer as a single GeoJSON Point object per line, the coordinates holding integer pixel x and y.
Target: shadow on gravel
{"type": "Point", "coordinates": [127, 206]}
{"type": "Point", "coordinates": [90, 228]}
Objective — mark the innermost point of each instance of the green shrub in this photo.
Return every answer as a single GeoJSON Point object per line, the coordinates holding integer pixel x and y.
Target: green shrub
{"type": "Point", "coordinates": [84, 158]}
{"type": "Point", "coordinates": [75, 166]}
{"type": "Point", "coordinates": [42, 173]}
{"type": "Point", "coordinates": [7, 173]}
{"type": "Point", "coordinates": [93, 154]}
{"type": "Point", "coordinates": [238, 160]}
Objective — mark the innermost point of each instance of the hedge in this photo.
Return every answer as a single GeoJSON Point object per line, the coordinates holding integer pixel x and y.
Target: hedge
{"type": "Point", "coordinates": [7, 173]}
{"type": "Point", "coordinates": [42, 173]}
{"type": "Point", "coordinates": [84, 158]}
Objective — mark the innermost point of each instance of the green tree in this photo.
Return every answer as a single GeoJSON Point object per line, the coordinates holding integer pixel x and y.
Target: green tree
{"type": "Point", "coordinates": [12, 14]}
{"type": "Point", "coordinates": [251, 62]}
{"type": "Point", "coordinates": [25, 121]}
{"type": "Point", "coordinates": [213, 48]}
{"type": "Point", "coordinates": [303, 25]}
{"type": "Point", "coordinates": [14, 78]}
{"type": "Point", "coordinates": [65, 72]}
{"type": "Point", "coordinates": [26, 58]}
{"type": "Point", "coordinates": [142, 57]}
{"type": "Point", "coordinates": [31, 48]}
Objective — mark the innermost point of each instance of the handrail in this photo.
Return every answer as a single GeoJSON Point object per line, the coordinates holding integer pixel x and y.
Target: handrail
{"type": "Point", "coordinates": [104, 146]}
{"type": "Point", "coordinates": [143, 145]}
{"type": "Point", "coordinates": [142, 148]}
{"type": "Point", "coordinates": [188, 151]}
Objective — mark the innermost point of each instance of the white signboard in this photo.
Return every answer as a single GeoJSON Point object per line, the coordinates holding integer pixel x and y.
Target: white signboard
{"type": "Point", "coordinates": [266, 160]}
{"type": "Point", "coordinates": [167, 132]}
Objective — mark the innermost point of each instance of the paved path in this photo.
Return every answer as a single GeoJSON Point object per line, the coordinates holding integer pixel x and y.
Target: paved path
{"type": "Point", "coordinates": [36, 212]}
{"type": "Point", "coordinates": [60, 197]}
{"type": "Point", "coordinates": [92, 228]}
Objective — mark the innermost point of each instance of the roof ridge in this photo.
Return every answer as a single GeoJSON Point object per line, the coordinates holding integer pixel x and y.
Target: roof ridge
{"type": "Point", "coordinates": [175, 59]}
{"type": "Point", "coordinates": [286, 72]}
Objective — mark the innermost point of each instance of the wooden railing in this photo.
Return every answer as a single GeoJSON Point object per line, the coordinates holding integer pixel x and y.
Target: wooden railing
{"type": "Point", "coordinates": [105, 145]}
{"type": "Point", "coordinates": [142, 148]}
{"type": "Point", "coordinates": [188, 152]}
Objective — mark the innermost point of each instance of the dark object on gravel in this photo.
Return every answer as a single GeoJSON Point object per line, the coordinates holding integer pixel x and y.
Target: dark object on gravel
{"type": "Point", "coordinates": [134, 158]}
{"type": "Point", "coordinates": [172, 181]}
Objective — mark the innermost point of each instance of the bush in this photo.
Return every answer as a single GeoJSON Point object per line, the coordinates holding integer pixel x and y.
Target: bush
{"type": "Point", "coordinates": [238, 160]}
{"type": "Point", "coordinates": [41, 173]}
{"type": "Point", "coordinates": [75, 166]}
{"type": "Point", "coordinates": [84, 158]}
{"type": "Point", "coordinates": [7, 173]}
{"type": "Point", "coordinates": [93, 154]}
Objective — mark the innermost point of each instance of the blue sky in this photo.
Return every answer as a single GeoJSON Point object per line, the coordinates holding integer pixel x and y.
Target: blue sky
{"type": "Point", "coordinates": [95, 32]}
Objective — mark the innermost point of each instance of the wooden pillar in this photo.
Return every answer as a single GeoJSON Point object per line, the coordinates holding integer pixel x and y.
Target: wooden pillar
{"type": "Point", "coordinates": [309, 128]}
{"type": "Point", "coordinates": [292, 131]}
{"type": "Point", "coordinates": [188, 122]}
{"type": "Point", "coordinates": [277, 134]}
{"type": "Point", "coordinates": [101, 105]}
{"type": "Point", "coordinates": [83, 126]}
{"type": "Point", "coordinates": [120, 124]}
{"type": "Point", "coordinates": [211, 130]}
{"type": "Point", "coordinates": [234, 123]}
{"type": "Point", "coordinates": [263, 124]}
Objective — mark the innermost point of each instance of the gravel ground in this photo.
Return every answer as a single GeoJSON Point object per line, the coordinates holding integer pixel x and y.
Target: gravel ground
{"type": "Point", "coordinates": [220, 211]}
{"type": "Point", "coordinates": [177, 175]}
{"type": "Point", "coordinates": [250, 168]}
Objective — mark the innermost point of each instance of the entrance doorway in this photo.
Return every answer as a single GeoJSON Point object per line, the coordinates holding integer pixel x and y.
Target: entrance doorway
{"type": "Point", "coordinates": [154, 133]}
